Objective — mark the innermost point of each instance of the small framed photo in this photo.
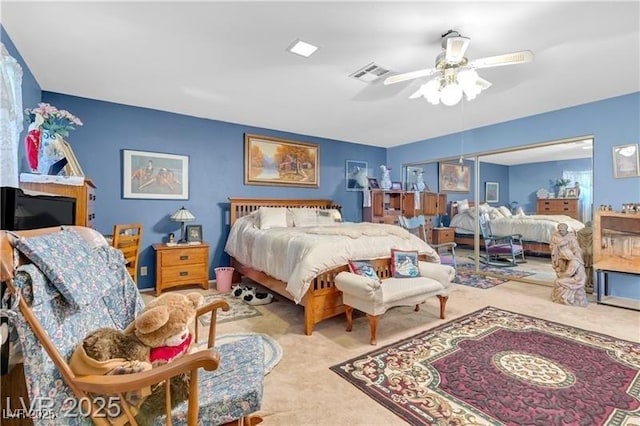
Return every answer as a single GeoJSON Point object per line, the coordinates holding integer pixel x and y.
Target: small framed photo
{"type": "Point", "coordinates": [396, 186]}
{"type": "Point", "coordinates": [625, 161]}
{"type": "Point", "coordinates": [373, 183]}
{"type": "Point", "coordinates": [492, 192]}
{"type": "Point", "coordinates": [194, 234]}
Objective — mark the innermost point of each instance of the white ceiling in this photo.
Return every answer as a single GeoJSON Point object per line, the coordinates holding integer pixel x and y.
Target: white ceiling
{"type": "Point", "coordinates": [227, 61]}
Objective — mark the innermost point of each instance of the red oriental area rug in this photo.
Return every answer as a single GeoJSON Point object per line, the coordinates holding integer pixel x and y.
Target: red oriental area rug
{"type": "Point", "coordinates": [499, 367]}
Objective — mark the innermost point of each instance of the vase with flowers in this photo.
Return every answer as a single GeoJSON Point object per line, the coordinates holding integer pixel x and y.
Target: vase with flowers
{"type": "Point", "coordinates": [561, 184]}
{"type": "Point", "coordinates": [47, 126]}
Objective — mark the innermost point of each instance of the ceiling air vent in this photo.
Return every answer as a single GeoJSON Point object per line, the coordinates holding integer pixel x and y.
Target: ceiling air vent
{"type": "Point", "coordinates": [370, 73]}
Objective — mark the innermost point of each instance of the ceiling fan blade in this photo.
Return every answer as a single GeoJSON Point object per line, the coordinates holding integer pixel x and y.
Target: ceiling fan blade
{"type": "Point", "coordinates": [514, 58]}
{"type": "Point", "coordinates": [409, 76]}
{"type": "Point", "coordinates": [456, 48]}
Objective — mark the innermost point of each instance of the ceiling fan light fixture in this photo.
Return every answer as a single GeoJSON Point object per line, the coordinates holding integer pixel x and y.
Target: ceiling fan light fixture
{"type": "Point", "coordinates": [451, 94]}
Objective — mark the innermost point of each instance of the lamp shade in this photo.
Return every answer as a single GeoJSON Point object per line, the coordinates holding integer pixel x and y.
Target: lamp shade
{"type": "Point", "coordinates": [183, 215]}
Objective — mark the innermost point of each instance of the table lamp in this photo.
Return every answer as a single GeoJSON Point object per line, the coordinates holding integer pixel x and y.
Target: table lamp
{"type": "Point", "coordinates": [182, 215]}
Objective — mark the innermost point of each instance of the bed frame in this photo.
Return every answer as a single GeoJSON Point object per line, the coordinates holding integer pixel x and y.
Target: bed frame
{"type": "Point", "coordinates": [323, 300]}
{"type": "Point", "coordinates": [530, 247]}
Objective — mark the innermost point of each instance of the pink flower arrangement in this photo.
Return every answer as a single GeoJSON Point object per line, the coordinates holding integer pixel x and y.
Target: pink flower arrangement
{"type": "Point", "coordinates": [51, 119]}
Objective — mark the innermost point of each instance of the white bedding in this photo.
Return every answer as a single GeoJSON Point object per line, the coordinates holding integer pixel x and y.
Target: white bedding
{"type": "Point", "coordinates": [538, 228]}
{"type": "Point", "coordinates": [296, 255]}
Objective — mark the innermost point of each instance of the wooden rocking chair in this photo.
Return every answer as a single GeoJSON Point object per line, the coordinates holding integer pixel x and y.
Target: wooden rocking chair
{"type": "Point", "coordinates": [226, 392]}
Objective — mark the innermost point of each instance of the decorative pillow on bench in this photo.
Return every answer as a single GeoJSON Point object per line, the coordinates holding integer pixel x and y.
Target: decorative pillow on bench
{"type": "Point", "coordinates": [404, 263]}
{"type": "Point", "coordinates": [364, 268]}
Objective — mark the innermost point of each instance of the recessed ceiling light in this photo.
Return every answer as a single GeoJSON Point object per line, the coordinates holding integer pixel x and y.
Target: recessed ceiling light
{"type": "Point", "coordinates": [302, 48]}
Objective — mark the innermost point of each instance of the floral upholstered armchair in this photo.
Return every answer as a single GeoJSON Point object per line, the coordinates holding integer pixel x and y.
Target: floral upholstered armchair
{"type": "Point", "coordinates": [69, 283]}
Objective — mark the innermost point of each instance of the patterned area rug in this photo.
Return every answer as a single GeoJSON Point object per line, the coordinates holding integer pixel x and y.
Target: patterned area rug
{"type": "Point", "coordinates": [239, 309]}
{"type": "Point", "coordinates": [272, 349]}
{"type": "Point", "coordinates": [467, 276]}
{"type": "Point", "coordinates": [497, 367]}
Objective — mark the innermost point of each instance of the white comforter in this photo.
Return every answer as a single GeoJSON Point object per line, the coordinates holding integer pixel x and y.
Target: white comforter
{"type": "Point", "coordinates": [296, 255]}
{"type": "Point", "coordinates": [537, 228]}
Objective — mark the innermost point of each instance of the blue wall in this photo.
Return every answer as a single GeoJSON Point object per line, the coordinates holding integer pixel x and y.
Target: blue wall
{"type": "Point", "coordinates": [490, 172]}
{"type": "Point", "coordinates": [527, 179]}
{"type": "Point", "coordinates": [613, 121]}
{"type": "Point", "coordinates": [216, 169]}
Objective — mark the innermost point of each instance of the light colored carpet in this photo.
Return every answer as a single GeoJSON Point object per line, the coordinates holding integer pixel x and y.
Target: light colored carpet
{"type": "Point", "coordinates": [302, 390]}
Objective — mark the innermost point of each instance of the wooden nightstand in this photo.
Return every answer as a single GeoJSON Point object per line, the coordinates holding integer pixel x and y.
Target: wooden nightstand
{"type": "Point", "coordinates": [442, 235]}
{"type": "Point", "coordinates": [181, 265]}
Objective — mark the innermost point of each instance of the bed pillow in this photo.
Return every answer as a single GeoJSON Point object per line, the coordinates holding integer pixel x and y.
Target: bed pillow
{"type": "Point", "coordinates": [325, 218]}
{"type": "Point", "coordinates": [463, 205]}
{"type": "Point", "coordinates": [364, 268]}
{"type": "Point", "coordinates": [272, 217]}
{"type": "Point", "coordinates": [404, 263]}
{"type": "Point", "coordinates": [494, 214]}
{"type": "Point", "coordinates": [304, 217]}
{"type": "Point", "coordinates": [505, 211]}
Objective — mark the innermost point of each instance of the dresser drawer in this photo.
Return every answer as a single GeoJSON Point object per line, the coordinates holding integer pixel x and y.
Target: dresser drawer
{"type": "Point", "coordinates": [442, 235]}
{"type": "Point", "coordinates": [184, 256]}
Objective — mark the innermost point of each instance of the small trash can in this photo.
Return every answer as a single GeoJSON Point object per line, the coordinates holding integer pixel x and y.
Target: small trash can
{"type": "Point", "coordinates": [224, 276]}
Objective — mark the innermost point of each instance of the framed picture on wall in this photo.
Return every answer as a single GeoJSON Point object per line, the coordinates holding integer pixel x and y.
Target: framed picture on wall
{"type": "Point", "coordinates": [625, 161]}
{"type": "Point", "coordinates": [492, 192]}
{"type": "Point", "coordinates": [453, 177]}
{"type": "Point", "coordinates": [155, 175]}
{"type": "Point", "coordinates": [280, 162]}
{"type": "Point", "coordinates": [356, 175]}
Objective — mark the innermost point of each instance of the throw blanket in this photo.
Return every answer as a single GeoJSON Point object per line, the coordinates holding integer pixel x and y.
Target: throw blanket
{"type": "Point", "coordinates": [357, 230]}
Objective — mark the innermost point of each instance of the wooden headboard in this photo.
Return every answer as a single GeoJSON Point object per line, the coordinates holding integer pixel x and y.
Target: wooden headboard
{"type": "Point", "coordinates": [244, 206]}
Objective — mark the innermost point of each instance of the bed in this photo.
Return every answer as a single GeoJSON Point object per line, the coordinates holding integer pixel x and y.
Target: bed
{"type": "Point", "coordinates": [536, 230]}
{"type": "Point", "coordinates": [315, 289]}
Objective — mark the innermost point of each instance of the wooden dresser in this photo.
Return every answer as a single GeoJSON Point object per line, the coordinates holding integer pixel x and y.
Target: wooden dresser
{"type": "Point", "coordinates": [565, 206]}
{"type": "Point", "coordinates": [84, 194]}
{"type": "Point", "coordinates": [181, 265]}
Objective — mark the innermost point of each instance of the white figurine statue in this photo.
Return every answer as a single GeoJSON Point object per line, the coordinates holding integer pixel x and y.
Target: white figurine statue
{"type": "Point", "coordinates": [420, 185]}
{"type": "Point", "coordinates": [385, 183]}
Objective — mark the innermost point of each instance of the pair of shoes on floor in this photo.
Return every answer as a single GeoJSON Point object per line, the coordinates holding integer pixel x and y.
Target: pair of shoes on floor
{"type": "Point", "coordinates": [250, 296]}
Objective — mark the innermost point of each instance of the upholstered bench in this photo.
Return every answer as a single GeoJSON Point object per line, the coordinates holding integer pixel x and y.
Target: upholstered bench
{"type": "Point", "coordinates": [375, 296]}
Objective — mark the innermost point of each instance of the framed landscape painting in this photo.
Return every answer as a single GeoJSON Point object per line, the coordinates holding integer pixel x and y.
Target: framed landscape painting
{"type": "Point", "coordinates": [155, 175]}
{"type": "Point", "coordinates": [454, 178]}
{"type": "Point", "coordinates": [280, 162]}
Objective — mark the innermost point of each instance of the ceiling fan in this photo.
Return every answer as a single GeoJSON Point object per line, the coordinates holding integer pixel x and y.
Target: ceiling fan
{"type": "Point", "coordinates": [456, 74]}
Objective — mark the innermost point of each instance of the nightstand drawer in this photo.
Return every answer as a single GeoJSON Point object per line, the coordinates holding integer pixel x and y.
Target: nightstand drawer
{"type": "Point", "coordinates": [184, 273]}
{"type": "Point", "coordinates": [442, 235]}
{"type": "Point", "coordinates": [184, 256]}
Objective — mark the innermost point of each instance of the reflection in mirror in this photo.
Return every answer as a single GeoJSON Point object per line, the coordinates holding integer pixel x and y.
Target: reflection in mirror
{"type": "Point", "coordinates": [538, 188]}
{"type": "Point", "coordinates": [525, 191]}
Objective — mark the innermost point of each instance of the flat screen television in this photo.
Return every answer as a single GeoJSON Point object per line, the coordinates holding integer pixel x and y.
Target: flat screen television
{"type": "Point", "coordinates": [22, 211]}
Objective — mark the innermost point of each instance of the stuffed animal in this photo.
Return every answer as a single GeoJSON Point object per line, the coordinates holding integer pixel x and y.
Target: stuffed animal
{"type": "Point", "coordinates": [160, 334]}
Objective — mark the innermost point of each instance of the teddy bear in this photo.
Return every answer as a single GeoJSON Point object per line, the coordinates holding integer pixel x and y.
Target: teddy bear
{"type": "Point", "coordinates": [160, 334]}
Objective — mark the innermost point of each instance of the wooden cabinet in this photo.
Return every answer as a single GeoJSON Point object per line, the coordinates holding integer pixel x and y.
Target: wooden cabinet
{"type": "Point", "coordinates": [387, 206]}
{"type": "Point", "coordinates": [181, 265]}
{"type": "Point", "coordinates": [433, 203]}
{"type": "Point", "coordinates": [442, 235]}
{"type": "Point", "coordinates": [84, 194]}
{"type": "Point", "coordinates": [616, 248]}
{"type": "Point", "coordinates": [565, 206]}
